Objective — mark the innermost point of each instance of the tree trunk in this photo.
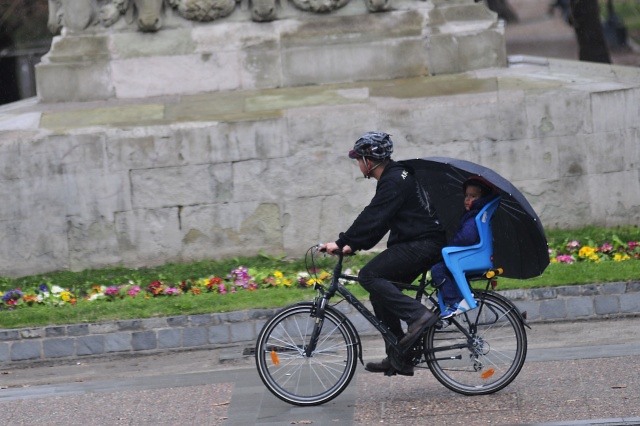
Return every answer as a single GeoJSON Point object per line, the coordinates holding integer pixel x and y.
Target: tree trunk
{"type": "Point", "coordinates": [586, 22]}
{"type": "Point", "coordinates": [503, 9]}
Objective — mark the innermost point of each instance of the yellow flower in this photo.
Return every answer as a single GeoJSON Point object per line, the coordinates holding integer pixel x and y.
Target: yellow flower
{"type": "Point", "coordinates": [97, 289]}
{"type": "Point", "coordinates": [324, 275]}
{"type": "Point", "coordinates": [586, 252]}
{"type": "Point", "coordinates": [619, 257]}
{"type": "Point", "coordinates": [65, 296]}
{"type": "Point", "coordinates": [278, 274]}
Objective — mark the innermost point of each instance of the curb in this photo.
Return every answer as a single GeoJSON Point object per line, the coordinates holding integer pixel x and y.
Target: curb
{"type": "Point", "coordinates": [229, 331]}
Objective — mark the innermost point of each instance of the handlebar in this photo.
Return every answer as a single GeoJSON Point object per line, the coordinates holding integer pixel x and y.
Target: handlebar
{"type": "Point", "coordinates": [335, 252]}
{"type": "Point", "coordinates": [337, 270]}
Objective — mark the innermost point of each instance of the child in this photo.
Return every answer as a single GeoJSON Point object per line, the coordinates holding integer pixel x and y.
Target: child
{"type": "Point", "coordinates": [477, 193]}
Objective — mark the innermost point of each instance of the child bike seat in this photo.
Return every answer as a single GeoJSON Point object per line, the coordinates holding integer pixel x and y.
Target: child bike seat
{"type": "Point", "coordinates": [473, 259]}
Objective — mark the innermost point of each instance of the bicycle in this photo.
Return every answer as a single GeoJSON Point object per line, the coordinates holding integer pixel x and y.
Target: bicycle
{"type": "Point", "coordinates": [307, 353]}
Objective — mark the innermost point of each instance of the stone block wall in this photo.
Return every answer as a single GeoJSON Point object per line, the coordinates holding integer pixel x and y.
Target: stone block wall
{"type": "Point", "coordinates": [90, 185]}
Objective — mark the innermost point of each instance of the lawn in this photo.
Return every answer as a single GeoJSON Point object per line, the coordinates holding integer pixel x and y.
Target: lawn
{"type": "Point", "coordinates": [585, 256]}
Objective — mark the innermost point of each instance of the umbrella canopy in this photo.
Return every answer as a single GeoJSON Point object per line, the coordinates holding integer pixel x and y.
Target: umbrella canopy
{"type": "Point", "coordinates": [520, 245]}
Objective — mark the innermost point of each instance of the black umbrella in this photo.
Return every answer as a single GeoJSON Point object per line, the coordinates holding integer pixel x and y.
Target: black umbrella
{"type": "Point", "coordinates": [519, 242]}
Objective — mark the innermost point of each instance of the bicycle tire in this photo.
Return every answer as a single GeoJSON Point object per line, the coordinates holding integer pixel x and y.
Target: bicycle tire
{"type": "Point", "coordinates": [490, 359]}
{"type": "Point", "coordinates": [292, 376]}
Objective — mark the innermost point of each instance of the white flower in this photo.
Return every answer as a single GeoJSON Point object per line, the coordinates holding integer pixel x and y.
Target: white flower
{"type": "Point", "coordinates": [56, 289]}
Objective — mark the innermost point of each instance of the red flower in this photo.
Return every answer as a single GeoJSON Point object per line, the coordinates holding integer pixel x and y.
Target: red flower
{"type": "Point", "coordinates": [213, 283]}
{"type": "Point", "coordinates": [155, 288]}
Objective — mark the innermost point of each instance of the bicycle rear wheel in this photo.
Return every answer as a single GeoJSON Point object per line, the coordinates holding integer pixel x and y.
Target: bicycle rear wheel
{"type": "Point", "coordinates": [485, 359]}
{"type": "Point", "coordinates": [289, 373]}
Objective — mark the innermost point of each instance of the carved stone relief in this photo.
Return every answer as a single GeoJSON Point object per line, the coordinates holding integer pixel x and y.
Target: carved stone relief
{"type": "Point", "coordinates": [319, 6]}
{"type": "Point", "coordinates": [203, 10]}
{"type": "Point", "coordinates": [147, 15]}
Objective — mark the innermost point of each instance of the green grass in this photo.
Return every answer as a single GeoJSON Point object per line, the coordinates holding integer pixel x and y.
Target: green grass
{"type": "Point", "coordinates": [578, 273]}
{"type": "Point", "coordinates": [131, 308]}
{"type": "Point", "coordinates": [629, 12]}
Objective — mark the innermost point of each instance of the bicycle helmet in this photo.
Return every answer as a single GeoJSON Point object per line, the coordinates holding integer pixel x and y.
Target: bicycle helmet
{"type": "Point", "coordinates": [376, 145]}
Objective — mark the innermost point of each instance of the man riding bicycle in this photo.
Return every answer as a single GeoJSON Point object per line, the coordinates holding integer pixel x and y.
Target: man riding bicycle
{"type": "Point", "coordinates": [416, 238]}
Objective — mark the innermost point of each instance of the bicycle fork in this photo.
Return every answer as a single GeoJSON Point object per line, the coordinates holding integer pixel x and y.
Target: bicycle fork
{"type": "Point", "coordinates": [319, 305]}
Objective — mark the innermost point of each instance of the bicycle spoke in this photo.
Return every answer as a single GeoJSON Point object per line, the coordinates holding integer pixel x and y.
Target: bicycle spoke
{"type": "Point", "coordinates": [299, 379]}
{"type": "Point", "coordinates": [495, 348]}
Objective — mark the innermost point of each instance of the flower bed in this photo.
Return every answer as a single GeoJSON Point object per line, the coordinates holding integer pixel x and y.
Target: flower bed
{"type": "Point", "coordinates": [573, 251]}
{"type": "Point", "coordinates": [240, 278]}
{"type": "Point", "coordinates": [252, 279]}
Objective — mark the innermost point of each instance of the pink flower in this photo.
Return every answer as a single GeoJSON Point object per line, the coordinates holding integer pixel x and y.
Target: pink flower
{"type": "Point", "coordinates": [606, 248]}
{"type": "Point", "coordinates": [240, 277]}
{"type": "Point", "coordinates": [572, 245]}
{"type": "Point", "coordinates": [565, 258]}
{"type": "Point", "coordinates": [171, 291]}
{"type": "Point", "coordinates": [111, 291]}
{"type": "Point", "coordinates": [133, 291]}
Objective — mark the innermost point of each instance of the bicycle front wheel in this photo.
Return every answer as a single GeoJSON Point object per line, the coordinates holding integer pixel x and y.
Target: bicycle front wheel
{"type": "Point", "coordinates": [480, 351]}
{"type": "Point", "coordinates": [289, 373]}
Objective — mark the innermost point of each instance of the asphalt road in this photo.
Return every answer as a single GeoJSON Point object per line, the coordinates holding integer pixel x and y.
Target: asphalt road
{"type": "Point", "coordinates": [578, 372]}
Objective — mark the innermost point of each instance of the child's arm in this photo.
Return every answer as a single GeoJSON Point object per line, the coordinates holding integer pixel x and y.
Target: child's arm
{"type": "Point", "coordinates": [467, 233]}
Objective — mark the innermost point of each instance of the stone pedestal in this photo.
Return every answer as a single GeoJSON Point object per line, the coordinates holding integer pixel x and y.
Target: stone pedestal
{"type": "Point", "coordinates": [412, 38]}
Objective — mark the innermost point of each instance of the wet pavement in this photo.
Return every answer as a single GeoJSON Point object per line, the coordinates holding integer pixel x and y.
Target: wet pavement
{"type": "Point", "coordinates": [581, 372]}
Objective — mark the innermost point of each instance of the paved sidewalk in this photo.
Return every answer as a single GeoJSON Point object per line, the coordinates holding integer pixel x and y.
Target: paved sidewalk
{"type": "Point", "coordinates": [576, 373]}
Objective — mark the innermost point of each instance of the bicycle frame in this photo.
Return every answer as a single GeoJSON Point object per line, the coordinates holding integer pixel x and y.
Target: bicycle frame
{"type": "Point", "coordinates": [387, 335]}
{"type": "Point", "coordinates": [335, 287]}
{"type": "Point", "coordinates": [304, 364]}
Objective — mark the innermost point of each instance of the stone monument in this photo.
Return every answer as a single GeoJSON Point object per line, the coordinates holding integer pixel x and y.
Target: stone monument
{"type": "Point", "coordinates": [144, 48]}
{"type": "Point", "coordinates": [180, 130]}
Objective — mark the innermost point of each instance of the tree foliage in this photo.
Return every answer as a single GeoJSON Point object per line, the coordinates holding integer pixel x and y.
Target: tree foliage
{"type": "Point", "coordinates": [24, 21]}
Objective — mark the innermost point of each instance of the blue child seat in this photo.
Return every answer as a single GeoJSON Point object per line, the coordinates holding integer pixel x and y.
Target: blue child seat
{"type": "Point", "coordinates": [473, 259]}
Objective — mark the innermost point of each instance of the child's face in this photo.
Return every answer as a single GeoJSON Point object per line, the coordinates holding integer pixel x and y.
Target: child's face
{"type": "Point", "coordinates": [471, 194]}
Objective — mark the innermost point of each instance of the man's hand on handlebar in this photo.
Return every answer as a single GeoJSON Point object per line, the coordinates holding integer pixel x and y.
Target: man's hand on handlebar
{"type": "Point", "coordinates": [332, 248]}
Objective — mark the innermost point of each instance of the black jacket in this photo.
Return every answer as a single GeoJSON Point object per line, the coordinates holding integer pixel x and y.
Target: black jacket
{"type": "Point", "coordinates": [400, 207]}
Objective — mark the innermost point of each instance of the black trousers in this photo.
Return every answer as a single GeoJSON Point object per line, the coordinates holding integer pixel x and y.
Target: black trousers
{"type": "Point", "coordinates": [402, 262]}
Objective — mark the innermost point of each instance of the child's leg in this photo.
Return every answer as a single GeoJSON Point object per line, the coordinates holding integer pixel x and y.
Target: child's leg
{"type": "Point", "coordinates": [446, 284]}
{"type": "Point", "coordinates": [450, 292]}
